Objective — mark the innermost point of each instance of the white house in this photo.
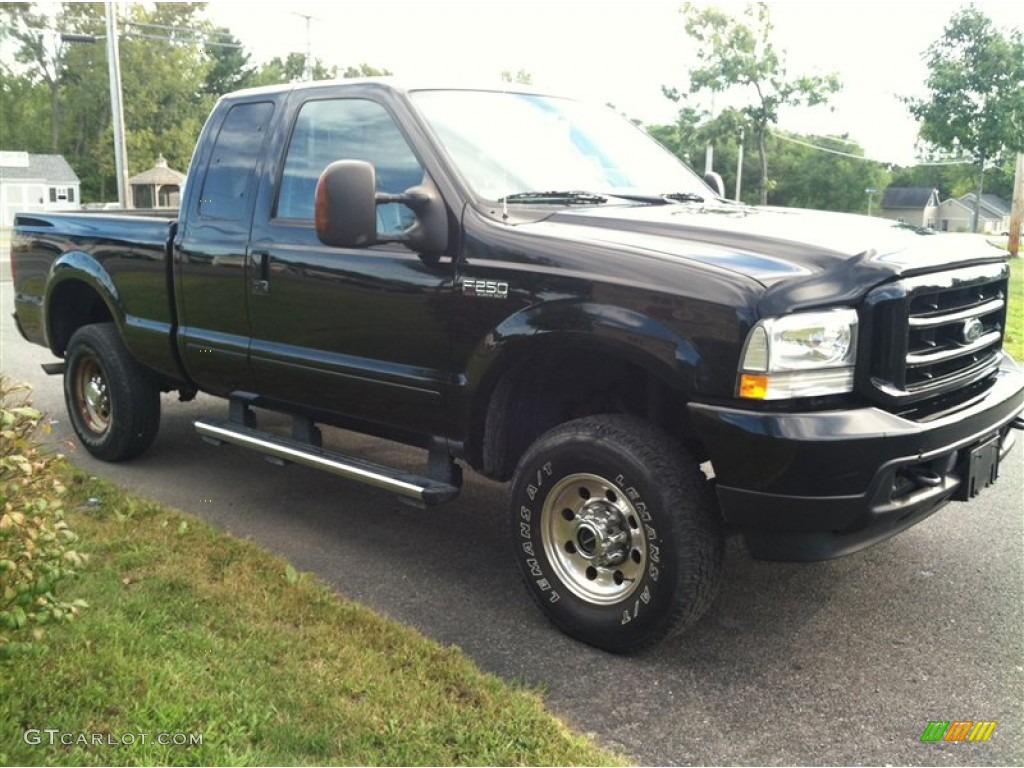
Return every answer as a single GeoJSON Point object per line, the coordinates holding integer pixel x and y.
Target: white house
{"type": "Point", "coordinates": [957, 214]}
{"type": "Point", "coordinates": [36, 183]}
{"type": "Point", "coordinates": [993, 214]}
{"type": "Point", "coordinates": [912, 205]}
{"type": "Point", "coordinates": [954, 216]}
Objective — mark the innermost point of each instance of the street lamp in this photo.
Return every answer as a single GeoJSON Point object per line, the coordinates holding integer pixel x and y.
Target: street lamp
{"type": "Point", "coordinates": [870, 192]}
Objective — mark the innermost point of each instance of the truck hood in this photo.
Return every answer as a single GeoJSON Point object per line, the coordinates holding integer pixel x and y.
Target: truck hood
{"type": "Point", "coordinates": [802, 258]}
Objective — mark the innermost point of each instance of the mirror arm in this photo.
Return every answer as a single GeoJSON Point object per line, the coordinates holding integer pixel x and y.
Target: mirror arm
{"type": "Point", "coordinates": [415, 200]}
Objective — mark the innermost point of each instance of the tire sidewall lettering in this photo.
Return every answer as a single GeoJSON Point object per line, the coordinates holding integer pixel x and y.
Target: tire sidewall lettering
{"type": "Point", "coordinates": [666, 511]}
{"type": "Point", "coordinates": [538, 570]}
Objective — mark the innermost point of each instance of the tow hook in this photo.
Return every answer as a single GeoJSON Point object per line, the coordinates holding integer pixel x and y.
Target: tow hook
{"type": "Point", "coordinates": [1018, 423]}
{"type": "Point", "coordinates": [925, 478]}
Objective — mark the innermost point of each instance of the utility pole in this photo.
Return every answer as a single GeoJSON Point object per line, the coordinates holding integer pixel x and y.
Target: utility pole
{"type": "Point", "coordinates": [124, 190]}
{"type": "Point", "coordinates": [709, 153]}
{"type": "Point", "coordinates": [1017, 212]}
{"type": "Point", "coordinates": [870, 192]}
{"type": "Point", "coordinates": [739, 165]}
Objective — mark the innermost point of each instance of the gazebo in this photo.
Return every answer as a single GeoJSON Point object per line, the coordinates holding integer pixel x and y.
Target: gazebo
{"type": "Point", "coordinates": [159, 187]}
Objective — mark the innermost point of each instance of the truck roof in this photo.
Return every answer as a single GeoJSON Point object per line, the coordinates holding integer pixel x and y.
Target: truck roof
{"type": "Point", "coordinates": [394, 84]}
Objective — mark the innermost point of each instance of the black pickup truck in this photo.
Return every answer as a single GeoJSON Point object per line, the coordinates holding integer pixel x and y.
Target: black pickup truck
{"type": "Point", "coordinates": [529, 286]}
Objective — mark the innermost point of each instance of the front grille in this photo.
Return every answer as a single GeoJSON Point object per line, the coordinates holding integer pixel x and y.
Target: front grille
{"type": "Point", "coordinates": [936, 333]}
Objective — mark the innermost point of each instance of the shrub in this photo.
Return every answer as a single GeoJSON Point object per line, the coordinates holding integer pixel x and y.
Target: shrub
{"type": "Point", "coordinates": [36, 544]}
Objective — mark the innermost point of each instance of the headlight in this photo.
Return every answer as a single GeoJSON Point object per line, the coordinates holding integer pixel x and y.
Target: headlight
{"type": "Point", "coordinates": [807, 354]}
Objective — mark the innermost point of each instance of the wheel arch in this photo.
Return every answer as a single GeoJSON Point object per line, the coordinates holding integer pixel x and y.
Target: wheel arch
{"type": "Point", "coordinates": [79, 292]}
{"type": "Point", "coordinates": [531, 378]}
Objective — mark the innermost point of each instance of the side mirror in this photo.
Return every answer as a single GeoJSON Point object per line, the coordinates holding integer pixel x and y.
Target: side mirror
{"type": "Point", "coordinates": [345, 206]}
{"type": "Point", "coordinates": [345, 211]}
{"type": "Point", "coordinates": [715, 181]}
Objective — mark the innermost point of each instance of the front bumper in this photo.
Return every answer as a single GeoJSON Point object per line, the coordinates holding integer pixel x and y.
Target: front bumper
{"type": "Point", "coordinates": [812, 486]}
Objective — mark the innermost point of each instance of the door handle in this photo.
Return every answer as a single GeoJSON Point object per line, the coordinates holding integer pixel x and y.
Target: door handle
{"type": "Point", "coordinates": [261, 283]}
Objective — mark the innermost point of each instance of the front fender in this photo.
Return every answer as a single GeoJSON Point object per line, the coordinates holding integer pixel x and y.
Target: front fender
{"type": "Point", "coordinates": [620, 333]}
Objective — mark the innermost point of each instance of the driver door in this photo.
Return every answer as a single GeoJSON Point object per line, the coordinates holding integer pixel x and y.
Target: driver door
{"type": "Point", "coordinates": [358, 332]}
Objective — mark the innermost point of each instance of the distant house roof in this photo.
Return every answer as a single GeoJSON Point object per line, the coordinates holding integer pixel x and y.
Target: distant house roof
{"type": "Point", "coordinates": [53, 169]}
{"type": "Point", "coordinates": [998, 203]}
{"type": "Point", "coordinates": [955, 203]}
{"type": "Point", "coordinates": [993, 205]}
{"type": "Point", "coordinates": [159, 174]}
{"type": "Point", "coordinates": [910, 197]}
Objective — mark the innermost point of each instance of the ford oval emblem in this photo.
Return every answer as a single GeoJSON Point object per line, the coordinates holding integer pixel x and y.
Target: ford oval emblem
{"type": "Point", "coordinates": [972, 330]}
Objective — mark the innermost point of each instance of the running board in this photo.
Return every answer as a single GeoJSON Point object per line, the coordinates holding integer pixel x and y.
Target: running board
{"type": "Point", "coordinates": [422, 489]}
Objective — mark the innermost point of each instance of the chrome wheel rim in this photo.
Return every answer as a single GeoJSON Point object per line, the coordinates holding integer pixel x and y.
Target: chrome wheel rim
{"type": "Point", "coordinates": [92, 396]}
{"type": "Point", "coordinates": [593, 538]}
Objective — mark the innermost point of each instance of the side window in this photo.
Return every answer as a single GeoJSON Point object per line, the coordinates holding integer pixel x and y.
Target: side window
{"type": "Point", "coordinates": [233, 161]}
{"type": "Point", "coordinates": [347, 129]}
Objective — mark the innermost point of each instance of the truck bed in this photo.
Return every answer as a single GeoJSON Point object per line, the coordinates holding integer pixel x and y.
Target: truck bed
{"type": "Point", "coordinates": [126, 253]}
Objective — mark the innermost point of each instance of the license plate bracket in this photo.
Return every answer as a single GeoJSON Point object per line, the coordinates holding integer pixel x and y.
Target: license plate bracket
{"type": "Point", "coordinates": [983, 467]}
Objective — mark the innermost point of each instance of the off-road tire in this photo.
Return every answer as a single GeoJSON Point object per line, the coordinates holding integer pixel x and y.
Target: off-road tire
{"type": "Point", "coordinates": [616, 532]}
{"type": "Point", "coordinates": [113, 404]}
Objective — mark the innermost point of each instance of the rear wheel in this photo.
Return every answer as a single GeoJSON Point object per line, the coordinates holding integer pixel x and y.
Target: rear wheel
{"type": "Point", "coordinates": [113, 405]}
{"type": "Point", "coordinates": [616, 532]}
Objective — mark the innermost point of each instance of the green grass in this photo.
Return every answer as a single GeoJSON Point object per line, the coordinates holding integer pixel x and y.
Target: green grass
{"type": "Point", "coordinates": [1014, 341]}
{"type": "Point", "coordinates": [190, 631]}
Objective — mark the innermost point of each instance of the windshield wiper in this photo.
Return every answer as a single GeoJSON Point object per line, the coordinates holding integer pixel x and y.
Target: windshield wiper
{"type": "Point", "coordinates": [684, 197]}
{"type": "Point", "coordinates": [671, 197]}
{"type": "Point", "coordinates": [565, 197]}
{"type": "Point", "coordinates": [579, 197]}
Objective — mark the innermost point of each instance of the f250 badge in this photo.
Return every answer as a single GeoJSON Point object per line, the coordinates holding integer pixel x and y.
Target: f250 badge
{"type": "Point", "coordinates": [485, 289]}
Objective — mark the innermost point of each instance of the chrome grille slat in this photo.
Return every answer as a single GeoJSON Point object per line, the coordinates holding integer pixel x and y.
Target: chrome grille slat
{"type": "Point", "coordinates": [980, 310]}
{"type": "Point", "coordinates": [958, 380]}
{"type": "Point", "coordinates": [916, 360]}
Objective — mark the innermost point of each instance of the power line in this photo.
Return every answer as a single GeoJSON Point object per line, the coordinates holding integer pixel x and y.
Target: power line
{"type": "Point", "coordinates": [192, 30]}
{"type": "Point", "coordinates": [196, 36]}
{"type": "Point", "coordinates": [191, 41]}
{"type": "Point", "coordinates": [862, 157]}
{"type": "Point", "coordinates": [826, 149]}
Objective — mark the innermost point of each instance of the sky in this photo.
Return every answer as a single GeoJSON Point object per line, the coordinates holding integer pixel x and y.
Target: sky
{"type": "Point", "coordinates": [623, 52]}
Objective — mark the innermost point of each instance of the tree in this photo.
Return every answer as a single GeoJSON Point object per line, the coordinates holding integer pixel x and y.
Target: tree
{"type": "Point", "coordinates": [694, 130]}
{"type": "Point", "coordinates": [292, 69]}
{"type": "Point", "coordinates": [808, 176]}
{"type": "Point", "coordinates": [825, 172]}
{"type": "Point", "coordinates": [229, 65]}
{"type": "Point", "coordinates": [737, 54]}
{"type": "Point", "coordinates": [25, 112]}
{"type": "Point", "coordinates": [165, 104]}
{"type": "Point", "coordinates": [164, 72]}
{"type": "Point", "coordinates": [41, 51]}
{"type": "Point", "coordinates": [975, 101]}
{"type": "Point", "coordinates": [952, 180]}
{"type": "Point", "coordinates": [365, 70]}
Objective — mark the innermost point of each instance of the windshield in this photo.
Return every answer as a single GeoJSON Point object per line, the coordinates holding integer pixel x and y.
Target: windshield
{"type": "Point", "coordinates": [514, 144]}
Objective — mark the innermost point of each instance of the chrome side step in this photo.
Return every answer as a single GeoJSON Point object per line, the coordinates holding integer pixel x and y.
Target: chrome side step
{"type": "Point", "coordinates": [422, 489]}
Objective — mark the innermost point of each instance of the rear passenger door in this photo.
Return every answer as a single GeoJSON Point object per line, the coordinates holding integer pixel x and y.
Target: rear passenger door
{"type": "Point", "coordinates": [210, 270]}
{"type": "Point", "coordinates": [359, 332]}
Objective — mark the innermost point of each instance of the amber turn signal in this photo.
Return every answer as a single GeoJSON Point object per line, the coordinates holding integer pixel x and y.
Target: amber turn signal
{"type": "Point", "coordinates": [753, 386]}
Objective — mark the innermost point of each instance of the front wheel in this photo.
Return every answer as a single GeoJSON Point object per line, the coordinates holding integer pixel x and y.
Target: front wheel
{"type": "Point", "coordinates": [616, 532]}
{"type": "Point", "coordinates": [113, 405]}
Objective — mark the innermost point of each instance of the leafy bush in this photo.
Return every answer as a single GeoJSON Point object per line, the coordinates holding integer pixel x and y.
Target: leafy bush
{"type": "Point", "coordinates": [36, 544]}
